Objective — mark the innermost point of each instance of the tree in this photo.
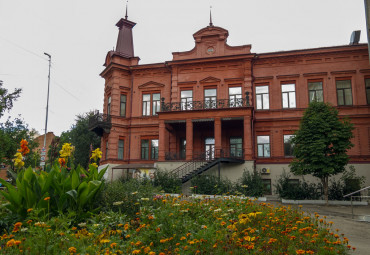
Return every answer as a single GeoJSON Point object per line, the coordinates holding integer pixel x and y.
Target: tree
{"type": "Point", "coordinates": [11, 134]}
{"type": "Point", "coordinates": [6, 99]}
{"type": "Point", "coordinates": [321, 143]}
{"type": "Point", "coordinates": [80, 137]}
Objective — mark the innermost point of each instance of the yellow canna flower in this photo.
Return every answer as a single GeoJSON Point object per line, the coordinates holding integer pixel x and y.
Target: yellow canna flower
{"type": "Point", "coordinates": [96, 154]}
{"type": "Point", "coordinates": [66, 150]}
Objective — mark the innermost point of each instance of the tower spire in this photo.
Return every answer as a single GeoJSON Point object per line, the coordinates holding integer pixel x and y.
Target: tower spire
{"type": "Point", "coordinates": [125, 44]}
{"type": "Point", "coordinates": [126, 10]}
{"type": "Point", "coordinates": [210, 16]}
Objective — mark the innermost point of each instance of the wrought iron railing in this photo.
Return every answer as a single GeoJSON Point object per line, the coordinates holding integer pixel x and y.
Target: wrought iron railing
{"type": "Point", "coordinates": [226, 152]}
{"type": "Point", "coordinates": [205, 105]}
{"type": "Point", "coordinates": [199, 160]}
{"type": "Point", "coordinates": [230, 152]}
{"type": "Point", "coordinates": [100, 123]}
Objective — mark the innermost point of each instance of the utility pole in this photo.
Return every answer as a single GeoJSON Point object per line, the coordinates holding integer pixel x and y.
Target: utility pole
{"type": "Point", "coordinates": [367, 13]}
{"type": "Point", "coordinates": [46, 120]}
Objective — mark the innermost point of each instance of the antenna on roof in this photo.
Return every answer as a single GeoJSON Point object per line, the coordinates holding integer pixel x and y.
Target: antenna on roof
{"type": "Point", "coordinates": [210, 16]}
{"type": "Point", "coordinates": [126, 10]}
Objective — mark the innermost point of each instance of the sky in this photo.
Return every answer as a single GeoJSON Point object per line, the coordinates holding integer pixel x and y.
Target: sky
{"type": "Point", "coordinates": [79, 33]}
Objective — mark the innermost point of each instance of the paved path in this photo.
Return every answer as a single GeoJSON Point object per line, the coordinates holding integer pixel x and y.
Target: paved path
{"type": "Point", "coordinates": [358, 232]}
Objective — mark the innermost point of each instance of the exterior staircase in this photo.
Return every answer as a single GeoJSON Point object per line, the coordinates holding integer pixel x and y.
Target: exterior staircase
{"type": "Point", "coordinates": [197, 166]}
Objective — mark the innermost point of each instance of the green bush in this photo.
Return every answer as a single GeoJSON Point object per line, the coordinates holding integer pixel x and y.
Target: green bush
{"type": "Point", "coordinates": [250, 184]}
{"type": "Point", "coordinates": [304, 190]}
{"type": "Point", "coordinates": [126, 196]}
{"type": "Point", "coordinates": [211, 185]}
{"type": "Point", "coordinates": [348, 183]}
{"type": "Point", "coordinates": [166, 181]}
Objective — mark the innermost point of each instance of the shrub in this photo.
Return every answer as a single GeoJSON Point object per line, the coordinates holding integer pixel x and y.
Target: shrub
{"type": "Point", "coordinates": [351, 181]}
{"type": "Point", "coordinates": [303, 190]}
{"type": "Point", "coordinates": [166, 181]}
{"type": "Point", "coordinates": [126, 195]}
{"type": "Point", "coordinates": [348, 183]}
{"type": "Point", "coordinates": [250, 184]}
{"type": "Point", "coordinates": [211, 185]}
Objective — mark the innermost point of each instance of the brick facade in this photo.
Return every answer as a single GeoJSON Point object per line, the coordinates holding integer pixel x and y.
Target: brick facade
{"type": "Point", "coordinates": [235, 97]}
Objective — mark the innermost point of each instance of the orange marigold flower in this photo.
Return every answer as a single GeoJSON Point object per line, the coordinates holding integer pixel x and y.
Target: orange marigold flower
{"type": "Point", "coordinates": [47, 198]}
{"type": "Point", "coordinates": [136, 252]}
{"type": "Point", "coordinates": [29, 210]}
{"type": "Point", "coordinates": [157, 229]}
{"type": "Point", "coordinates": [151, 253]}
{"type": "Point", "coordinates": [112, 245]}
{"type": "Point", "coordinates": [300, 251]}
{"type": "Point", "coordinates": [10, 243]}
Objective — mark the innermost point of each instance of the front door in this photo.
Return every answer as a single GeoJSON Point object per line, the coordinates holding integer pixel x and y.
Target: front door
{"type": "Point", "coordinates": [209, 148]}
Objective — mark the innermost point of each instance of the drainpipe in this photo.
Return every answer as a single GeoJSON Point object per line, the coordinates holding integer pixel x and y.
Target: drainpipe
{"type": "Point", "coordinates": [253, 113]}
{"type": "Point", "coordinates": [129, 136]}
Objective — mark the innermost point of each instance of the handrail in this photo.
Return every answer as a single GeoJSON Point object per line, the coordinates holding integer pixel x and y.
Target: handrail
{"type": "Point", "coordinates": [357, 191]}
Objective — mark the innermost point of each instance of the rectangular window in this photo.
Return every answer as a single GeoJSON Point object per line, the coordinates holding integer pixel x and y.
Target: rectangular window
{"type": "Point", "coordinates": [210, 97]}
{"type": "Point", "coordinates": [186, 99]}
{"type": "Point", "coordinates": [267, 186]}
{"type": "Point", "coordinates": [121, 144]}
{"type": "Point", "coordinates": [235, 97]}
{"type": "Point", "coordinates": [288, 146]}
{"type": "Point", "coordinates": [149, 149]}
{"type": "Point", "coordinates": [146, 104]}
{"type": "Point", "coordinates": [236, 147]}
{"type": "Point", "coordinates": [262, 97]}
{"type": "Point", "coordinates": [154, 149]}
{"type": "Point", "coordinates": [106, 150]}
{"type": "Point", "coordinates": [344, 92]}
{"type": "Point", "coordinates": [367, 86]}
{"type": "Point", "coordinates": [182, 148]}
{"type": "Point", "coordinates": [151, 104]}
{"type": "Point", "coordinates": [156, 103]}
{"type": "Point", "coordinates": [263, 146]}
{"type": "Point", "coordinates": [144, 149]}
{"type": "Point", "coordinates": [315, 92]}
{"type": "Point", "coordinates": [109, 104]}
{"type": "Point", "coordinates": [288, 95]}
{"type": "Point", "coordinates": [122, 110]}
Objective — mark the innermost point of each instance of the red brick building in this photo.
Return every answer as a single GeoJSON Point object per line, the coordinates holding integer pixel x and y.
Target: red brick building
{"type": "Point", "coordinates": [225, 106]}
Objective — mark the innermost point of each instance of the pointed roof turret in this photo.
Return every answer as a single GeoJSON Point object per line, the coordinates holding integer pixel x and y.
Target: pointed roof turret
{"type": "Point", "coordinates": [125, 43]}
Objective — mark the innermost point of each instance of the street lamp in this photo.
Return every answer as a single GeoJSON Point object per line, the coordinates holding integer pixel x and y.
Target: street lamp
{"type": "Point", "coordinates": [47, 104]}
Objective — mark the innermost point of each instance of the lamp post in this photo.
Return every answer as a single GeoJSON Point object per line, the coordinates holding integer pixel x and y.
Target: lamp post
{"type": "Point", "coordinates": [47, 103]}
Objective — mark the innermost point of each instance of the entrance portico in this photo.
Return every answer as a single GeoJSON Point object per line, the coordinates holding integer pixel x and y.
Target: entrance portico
{"type": "Point", "coordinates": [205, 134]}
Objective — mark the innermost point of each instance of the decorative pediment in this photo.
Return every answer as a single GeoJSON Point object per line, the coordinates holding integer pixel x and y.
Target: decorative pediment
{"type": "Point", "coordinates": [151, 85]}
{"type": "Point", "coordinates": [210, 79]}
{"type": "Point", "coordinates": [211, 42]}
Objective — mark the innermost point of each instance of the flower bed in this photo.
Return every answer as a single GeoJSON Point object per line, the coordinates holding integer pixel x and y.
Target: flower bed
{"type": "Point", "coordinates": [174, 225]}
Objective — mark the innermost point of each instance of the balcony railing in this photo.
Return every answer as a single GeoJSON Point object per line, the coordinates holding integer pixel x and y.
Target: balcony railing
{"type": "Point", "coordinates": [100, 123]}
{"type": "Point", "coordinates": [225, 152]}
{"type": "Point", "coordinates": [205, 105]}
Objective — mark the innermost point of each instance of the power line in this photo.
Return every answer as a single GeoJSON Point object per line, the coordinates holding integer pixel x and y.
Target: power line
{"type": "Point", "coordinates": [20, 47]}
{"type": "Point", "coordinates": [65, 90]}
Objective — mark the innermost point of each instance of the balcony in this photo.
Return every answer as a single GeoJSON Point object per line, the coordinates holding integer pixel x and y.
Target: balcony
{"type": "Point", "coordinates": [205, 105]}
{"type": "Point", "coordinates": [100, 123]}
